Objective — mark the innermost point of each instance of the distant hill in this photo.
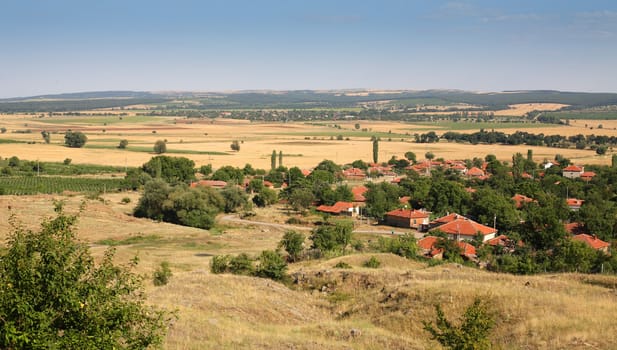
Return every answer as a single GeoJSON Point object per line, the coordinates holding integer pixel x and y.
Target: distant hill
{"type": "Point", "coordinates": [299, 99]}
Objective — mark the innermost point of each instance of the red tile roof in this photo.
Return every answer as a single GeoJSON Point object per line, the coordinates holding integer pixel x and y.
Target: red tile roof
{"type": "Point", "coordinates": [573, 168]}
{"type": "Point", "coordinates": [306, 172]}
{"type": "Point", "coordinates": [588, 174]}
{"type": "Point", "coordinates": [427, 242]}
{"type": "Point", "coordinates": [358, 193]}
{"type": "Point", "coordinates": [574, 228]}
{"type": "Point", "coordinates": [404, 200]}
{"type": "Point", "coordinates": [593, 241]}
{"type": "Point", "coordinates": [408, 213]}
{"type": "Point", "coordinates": [354, 172]}
{"type": "Point", "coordinates": [475, 171]}
{"type": "Point", "coordinates": [520, 199]}
{"type": "Point", "coordinates": [445, 219]}
{"type": "Point", "coordinates": [464, 227]}
{"type": "Point", "coordinates": [467, 249]}
{"type": "Point", "coordinates": [574, 202]}
{"type": "Point", "coordinates": [499, 240]}
{"type": "Point", "coordinates": [337, 208]}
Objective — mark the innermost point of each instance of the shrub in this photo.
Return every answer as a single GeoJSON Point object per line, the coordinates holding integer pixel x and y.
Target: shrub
{"type": "Point", "coordinates": [292, 243]}
{"type": "Point", "coordinates": [67, 161]}
{"type": "Point", "coordinates": [53, 295]}
{"type": "Point", "coordinates": [241, 264]}
{"type": "Point", "coordinates": [219, 264]}
{"type": "Point", "coordinates": [342, 265]}
{"type": "Point", "coordinates": [123, 144]}
{"type": "Point", "coordinates": [271, 265]}
{"type": "Point", "coordinates": [372, 262]}
{"type": "Point", "coordinates": [75, 139]}
{"type": "Point", "coordinates": [160, 147]}
{"type": "Point", "coordinates": [162, 274]}
{"type": "Point", "coordinates": [14, 162]}
{"type": "Point", "coordinates": [473, 332]}
{"type": "Point", "coordinates": [125, 200]}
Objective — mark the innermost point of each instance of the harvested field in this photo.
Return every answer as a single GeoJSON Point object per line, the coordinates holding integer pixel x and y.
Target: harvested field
{"type": "Point", "coordinates": [210, 142]}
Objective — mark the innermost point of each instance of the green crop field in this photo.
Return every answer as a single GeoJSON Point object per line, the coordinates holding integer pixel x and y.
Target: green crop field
{"type": "Point", "coordinates": [27, 185]}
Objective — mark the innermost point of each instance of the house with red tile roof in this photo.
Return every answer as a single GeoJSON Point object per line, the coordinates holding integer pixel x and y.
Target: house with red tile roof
{"type": "Point", "coordinates": [428, 249]}
{"type": "Point", "coordinates": [404, 200]}
{"type": "Point", "coordinates": [574, 228]}
{"type": "Point", "coordinates": [209, 183]}
{"type": "Point", "coordinates": [417, 219]}
{"type": "Point", "coordinates": [475, 172]}
{"type": "Point", "coordinates": [445, 219]}
{"type": "Point", "coordinates": [358, 194]}
{"type": "Point", "coordinates": [520, 199]}
{"type": "Point", "coordinates": [574, 203]}
{"type": "Point", "coordinates": [593, 241]}
{"type": "Point", "coordinates": [463, 228]}
{"type": "Point", "coordinates": [573, 171]}
{"type": "Point", "coordinates": [306, 172]}
{"type": "Point", "coordinates": [354, 174]}
{"type": "Point", "coordinates": [587, 175]}
{"type": "Point", "coordinates": [340, 208]}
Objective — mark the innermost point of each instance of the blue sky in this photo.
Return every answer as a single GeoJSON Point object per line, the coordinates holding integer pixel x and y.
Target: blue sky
{"type": "Point", "coordinates": [86, 45]}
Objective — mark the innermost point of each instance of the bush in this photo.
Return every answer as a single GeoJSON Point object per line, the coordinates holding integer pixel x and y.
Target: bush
{"type": "Point", "coordinates": [292, 243]}
{"type": "Point", "coordinates": [14, 162]}
{"type": "Point", "coordinates": [67, 161]}
{"type": "Point", "coordinates": [123, 144]}
{"type": "Point", "coordinates": [372, 262]}
{"type": "Point", "coordinates": [53, 295]}
{"type": "Point", "coordinates": [271, 265]}
{"type": "Point", "coordinates": [473, 332]}
{"type": "Point", "coordinates": [342, 265]}
{"type": "Point", "coordinates": [219, 264]}
{"type": "Point", "coordinates": [241, 264]}
{"type": "Point", "coordinates": [160, 147]}
{"type": "Point", "coordinates": [125, 200]}
{"type": "Point", "coordinates": [162, 274]}
{"type": "Point", "coordinates": [75, 139]}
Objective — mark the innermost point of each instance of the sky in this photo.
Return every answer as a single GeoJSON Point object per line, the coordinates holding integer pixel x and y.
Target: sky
{"type": "Point", "coordinates": [56, 46]}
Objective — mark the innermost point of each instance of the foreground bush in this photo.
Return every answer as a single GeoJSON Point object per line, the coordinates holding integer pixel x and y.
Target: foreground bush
{"type": "Point", "coordinates": [53, 295]}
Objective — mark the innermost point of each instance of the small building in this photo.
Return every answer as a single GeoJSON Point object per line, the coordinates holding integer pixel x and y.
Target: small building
{"type": "Point", "coordinates": [475, 172]}
{"type": "Point", "coordinates": [465, 229]}
{"type": "Point", "coordinates": [409, 218]}
{"type": "Point", "coordinates": [574, 203]}
{"type": "Point", "coordinates": [587, 175]}
{"type": "Point", "coordinates": [354, 174]}
{"type": "Point", "coordinates": [445, 219]}
{"type": "Point", "coordinates": [428, 249]}
{"type": "Point", "coordinates": [358, 194]}
{"type": "Point", "coordinates": [593, 241]}
{"type": "Point", "coordinates": [573, 171]}
{"type": "Point", "coordinates": [340, 208]}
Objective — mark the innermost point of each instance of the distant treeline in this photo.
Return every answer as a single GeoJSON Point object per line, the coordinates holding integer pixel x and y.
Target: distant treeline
{"type": "Point", "coordinates": [305, 99]}
{"type": "Point", "coordinates": [72, 105]}
{"type": "Point", "coordinates": [525, 138]}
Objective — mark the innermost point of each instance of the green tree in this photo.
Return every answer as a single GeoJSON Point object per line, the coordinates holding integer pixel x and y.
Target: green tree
{"type": "Point", "coordinates": [488, 204]}
{"type": "Point", "coordinates": [300, 199]}
{"type": "Point", "coordinates": [123, 144]}
{"type": "Point", "coordinates": [328, 238]}
{"type": "Point", "coordinates": [292, 242]}
{"type": "Point", "coordinates": [472, 334]}
{"type": "Point", "coordinates": [429, 155]}
{"type": "Point", "coordinates": [357, 126]}
{"type": "Point", "coordinates": [375, 150]}
{"type": "Point", "coordinates": [271, 265]}
{"type": "Point", "coordinates": [273, 160]}
{"type": "Point", "coordinates": [161, 275]}
{"type": "Point", "coordinates": [381, 198]}
{"type": "Point", "coordinates": [234, 198]}
{"type": "Point", "coordinates": [265, 197]}
{"type": "Point", "coordinates": [54, 296]}
{"type": "Point", "coordinates": [410, 156]}
{"type": "Point", "coordinates": [229, 173]}
{"type": "Point", "coordinates": [160, 147]}
{"type": "Point", "coordinates": [170, 169]}
{"type": "Point", "coordinates": [46, 136]}
{"type": "Point", "coordinates": [280, 159]}
{"type": "Point", "coordinates": [75, 139]}
{"type": "Point", "coordinates": [205, 170]}
{"type": "Point", "coordinates": [235, 145]}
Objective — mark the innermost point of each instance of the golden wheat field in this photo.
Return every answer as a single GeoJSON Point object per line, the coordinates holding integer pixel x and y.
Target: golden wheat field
{"type": "Point", "coordinates": [303, 144]}
{"type": "Point", "coordinates": [386, 305]}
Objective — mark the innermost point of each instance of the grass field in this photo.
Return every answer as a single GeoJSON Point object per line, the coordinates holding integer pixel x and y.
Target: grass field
{"type": "Point", "coordinates": [388, 304]}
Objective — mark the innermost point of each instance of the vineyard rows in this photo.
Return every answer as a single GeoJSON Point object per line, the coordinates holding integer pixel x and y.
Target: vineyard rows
{"type": "Point", "coordinates": [26, 185]}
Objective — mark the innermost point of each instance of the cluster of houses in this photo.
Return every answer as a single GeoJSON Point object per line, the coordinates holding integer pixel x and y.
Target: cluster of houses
{"type": "Point", "coordinates": [454, 226]}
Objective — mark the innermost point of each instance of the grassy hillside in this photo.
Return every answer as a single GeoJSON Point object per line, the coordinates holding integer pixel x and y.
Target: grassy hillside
{"type": "Point", "coordinates": [319, 310]}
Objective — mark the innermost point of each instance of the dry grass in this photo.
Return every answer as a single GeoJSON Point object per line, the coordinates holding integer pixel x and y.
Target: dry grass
{"type": "Point", "coordinates": [387, 304]}
{"type": "Point", "coordinates": [521, 109]}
